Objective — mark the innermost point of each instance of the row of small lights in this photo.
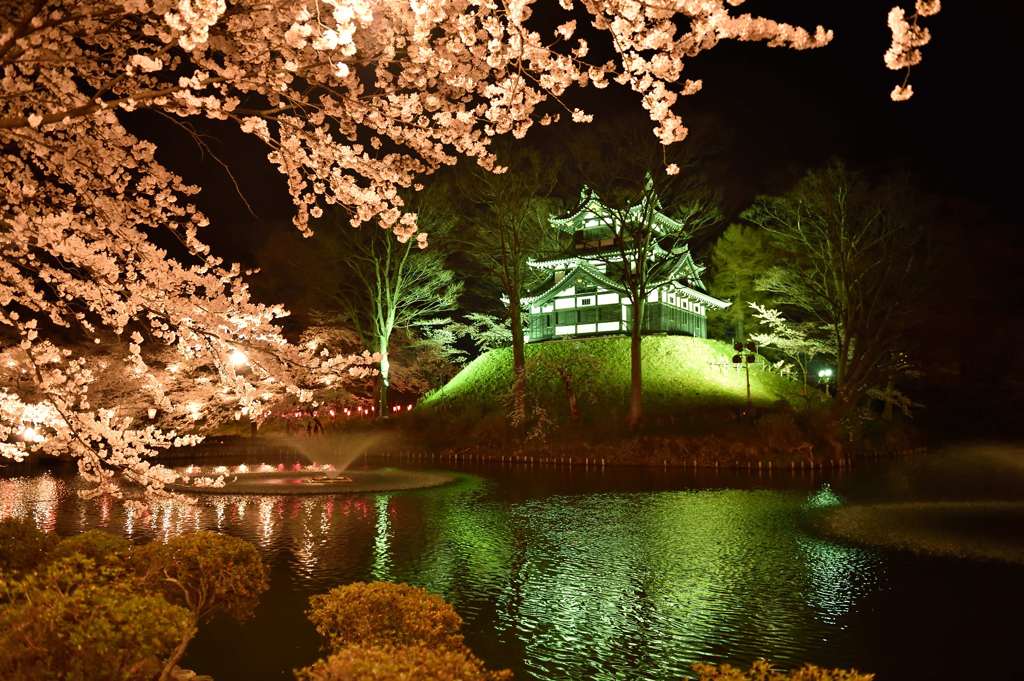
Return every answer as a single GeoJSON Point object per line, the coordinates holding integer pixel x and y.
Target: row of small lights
{"type": "Point", "coordinates": [347, 411]}
{"type": "Point", "coordinates": [31, 435]}
{"type": "Point", "coordinates": [191, 471]}
{"type": "Point", "coordinates": [237, 359]}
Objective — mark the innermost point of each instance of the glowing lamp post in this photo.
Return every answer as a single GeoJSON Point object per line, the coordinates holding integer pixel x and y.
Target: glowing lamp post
{"type": "Point", "coordinates": [745, 359]}
{"type": "Point", "coordinates": [825, 377]}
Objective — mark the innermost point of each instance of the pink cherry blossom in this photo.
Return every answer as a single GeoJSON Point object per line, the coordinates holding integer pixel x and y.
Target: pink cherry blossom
{"type": "Point", "coordinates": [908, 37]}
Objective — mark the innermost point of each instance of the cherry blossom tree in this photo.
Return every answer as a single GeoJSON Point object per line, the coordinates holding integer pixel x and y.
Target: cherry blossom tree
{"type": "Point", "coordinates": [799, 342]}
{"type": "Point", "coordinates": [354, 101]}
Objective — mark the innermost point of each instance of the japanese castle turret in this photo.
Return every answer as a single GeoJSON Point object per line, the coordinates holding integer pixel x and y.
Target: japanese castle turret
{"type": "Point", "coordinates": [582, 296]}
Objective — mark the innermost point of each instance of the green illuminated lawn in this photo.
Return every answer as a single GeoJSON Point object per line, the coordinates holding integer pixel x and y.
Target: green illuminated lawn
{"type": "Point", "coordinates": [680, 373]}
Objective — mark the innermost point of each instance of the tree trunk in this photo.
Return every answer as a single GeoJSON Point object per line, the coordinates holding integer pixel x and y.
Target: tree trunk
{"type": "Point", "coordinates": [385, 380]}
{"type": "Point", "coordinates": [518, 355]}
{"type": "Point", "coordinates": [570, 395]}
{"type": "Point", "coordinates": [635, 371]}
{"type": "Point", "coordinates": [887, 410]}
{"type": "Point", "coordinates": [177, 653]}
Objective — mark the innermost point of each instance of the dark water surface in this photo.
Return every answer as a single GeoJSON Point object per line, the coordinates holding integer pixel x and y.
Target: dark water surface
{"type": "Point", "coordinates": [597, 574]}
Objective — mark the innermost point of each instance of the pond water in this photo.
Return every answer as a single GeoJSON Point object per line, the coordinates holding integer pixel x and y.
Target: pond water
{"type": "Point", "coordinates": [597, 574]}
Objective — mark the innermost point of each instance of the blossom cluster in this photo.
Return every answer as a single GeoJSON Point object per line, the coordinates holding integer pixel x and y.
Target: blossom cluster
{"type": "Point", "coordinates": [908, 37]}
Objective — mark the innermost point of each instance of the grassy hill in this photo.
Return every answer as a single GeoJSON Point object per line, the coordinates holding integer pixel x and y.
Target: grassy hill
{"type": "Point", "coordinates": [681, 375]}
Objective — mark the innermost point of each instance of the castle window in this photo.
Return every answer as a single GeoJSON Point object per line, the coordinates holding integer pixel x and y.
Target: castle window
{"type": "Point", "coordinates": [608, 313]}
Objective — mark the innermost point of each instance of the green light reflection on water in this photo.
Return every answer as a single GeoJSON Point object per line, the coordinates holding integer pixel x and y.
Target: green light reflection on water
{"type": "Point", "coordinates": [592, 586]}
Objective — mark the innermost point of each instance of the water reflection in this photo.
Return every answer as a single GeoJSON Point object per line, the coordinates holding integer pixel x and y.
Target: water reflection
{"type": "Point", "coordinates": [381, 570]}
{"type": "Point", "coordinates": [599, 585]}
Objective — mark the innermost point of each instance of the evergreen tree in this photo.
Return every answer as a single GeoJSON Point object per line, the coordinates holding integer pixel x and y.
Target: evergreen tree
{"type": "Point", "coordinates": [740, 256]}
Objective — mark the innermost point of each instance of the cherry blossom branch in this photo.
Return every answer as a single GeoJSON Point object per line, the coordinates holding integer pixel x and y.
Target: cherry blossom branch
{"type": "Point", "coordinates": [908, 37]}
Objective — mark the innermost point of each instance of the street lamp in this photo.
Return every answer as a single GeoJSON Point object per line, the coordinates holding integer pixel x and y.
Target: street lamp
{"type": "Point", "coordinates": [31, 435]}
{"type": "Point", "coordinates": [825, 377]}
{"type": "Point", "coordinates": [746, 354]}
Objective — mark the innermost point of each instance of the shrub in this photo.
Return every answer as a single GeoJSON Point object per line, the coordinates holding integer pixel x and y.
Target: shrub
{"type": "Point", "coordinates": [381, 613]}
{"type": "Point", "coordinates": [77, 621]}
{"type": "Point", "coordinates": [761, 670]}
{"type": "Point", "coordinates": [417, 662]}
{"type": "Point", "coordinates": [207, 572]}
{"type": "Point", "coordinates": [23, 546]}
{"type": "Point", "coordinates": [102, 547]}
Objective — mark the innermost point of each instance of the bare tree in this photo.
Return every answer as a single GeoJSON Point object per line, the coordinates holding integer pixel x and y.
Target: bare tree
{"type": "Point", "coordinates": [508, 225]}
{"type": "Point", "coordinates": [649, 252]}
{"type": "Point", "coordinates": [853, 260]}
{"type": "Point", "coordinates": [378, 285]}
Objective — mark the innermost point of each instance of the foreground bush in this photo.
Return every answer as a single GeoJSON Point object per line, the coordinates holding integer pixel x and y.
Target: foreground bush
{"type": "Point", "coordinates": [77, 621]}
{"type": "Point", "coordinates": [205, 572]}
{"type": "Point", "coordinates": [94, 607]}
{"type": "Point", "coordinates": [23, 546]}
{"type": "Point", "coordinates": [401, 663]}
{"type": "Point", "coordinates": [761, 670]}
{"type": "Point", "coordinates": [102, 547]}
{"type": "Point", "coordinates": [384, 614]}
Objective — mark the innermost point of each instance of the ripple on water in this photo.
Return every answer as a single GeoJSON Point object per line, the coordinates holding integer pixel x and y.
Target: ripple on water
{"type": "Point", "coordinates": [614, 583]}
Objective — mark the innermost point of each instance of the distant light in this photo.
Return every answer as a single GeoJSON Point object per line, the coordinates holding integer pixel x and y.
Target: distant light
{"type": "Point", "coordinates": [238, 359]}
{"type": "Point", "coordinates": [825, 373]}
{"type": "Point", "coordinates": [30, 434]}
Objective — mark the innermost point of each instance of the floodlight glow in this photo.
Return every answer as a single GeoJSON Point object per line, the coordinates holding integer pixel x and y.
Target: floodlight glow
{"type": "Point", "coordinates": [30, 434]}
{"type": "Point", "coordinates": [237, 358]}
{"type": "Point", "coordinates": [825, 373]}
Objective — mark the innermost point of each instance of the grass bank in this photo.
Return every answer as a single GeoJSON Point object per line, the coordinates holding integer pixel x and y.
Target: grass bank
{"type": "Point", "coordinates": [695, 409]}
{"type": "Point", "coordinates": [681, 374]}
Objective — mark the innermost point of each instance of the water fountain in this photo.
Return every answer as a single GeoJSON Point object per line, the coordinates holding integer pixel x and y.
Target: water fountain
{"type": "Point", "coordinates": [328, 472]}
